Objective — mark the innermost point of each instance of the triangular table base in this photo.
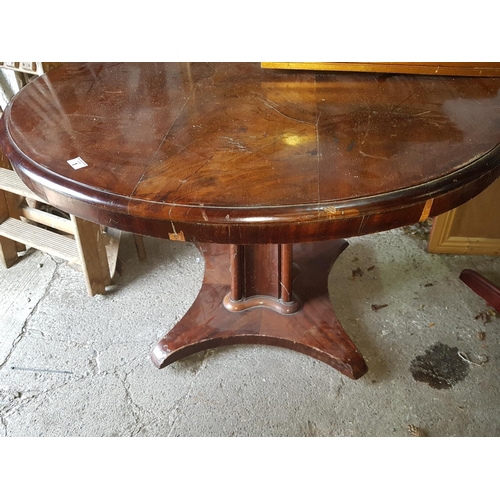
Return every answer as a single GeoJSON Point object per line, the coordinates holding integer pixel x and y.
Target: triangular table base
{"type": "Point", "coordinates": [314, 330]}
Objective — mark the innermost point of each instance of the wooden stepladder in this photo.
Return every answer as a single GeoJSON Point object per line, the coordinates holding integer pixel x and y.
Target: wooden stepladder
{"type": "Point", "coordinates": [26, 220]}
{"type": "Point", "coordinates": [23, 222]}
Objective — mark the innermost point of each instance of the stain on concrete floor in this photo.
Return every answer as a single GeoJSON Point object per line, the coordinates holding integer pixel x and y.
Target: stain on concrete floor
{"type": "Point", "coordinates": [441, 367]}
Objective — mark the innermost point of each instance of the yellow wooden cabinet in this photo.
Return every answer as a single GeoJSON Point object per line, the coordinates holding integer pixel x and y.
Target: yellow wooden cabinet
{"type": "Point", "coordinates": [472, 228]}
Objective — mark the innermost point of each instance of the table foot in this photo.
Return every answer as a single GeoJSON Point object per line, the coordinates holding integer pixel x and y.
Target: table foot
{"type": "Point", "coordinates": [313, 330]}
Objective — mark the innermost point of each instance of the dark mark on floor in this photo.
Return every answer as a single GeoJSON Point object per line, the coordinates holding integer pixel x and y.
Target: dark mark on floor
{"type": "Point", "coordinates": [441, 367]}
{"type": "Point", "coordinates": [357, 272]}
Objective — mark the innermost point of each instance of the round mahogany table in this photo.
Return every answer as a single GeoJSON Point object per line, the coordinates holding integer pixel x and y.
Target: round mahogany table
{"type": "Point", "coordinates": [266, 170]}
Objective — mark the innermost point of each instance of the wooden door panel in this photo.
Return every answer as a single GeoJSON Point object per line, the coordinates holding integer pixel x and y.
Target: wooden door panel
{"type": "Point", "coordinates": [472, 228]}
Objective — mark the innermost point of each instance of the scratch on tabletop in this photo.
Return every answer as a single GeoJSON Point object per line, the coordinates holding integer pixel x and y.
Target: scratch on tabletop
{"type": "Point", "coordinates": [362, 153]}
{"type": "Point", "coordinates": [267, 103]}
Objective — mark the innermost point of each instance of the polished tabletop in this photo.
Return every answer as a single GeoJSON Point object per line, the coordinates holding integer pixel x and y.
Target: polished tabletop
{"type": "Point", "coordinates": [235, 153]}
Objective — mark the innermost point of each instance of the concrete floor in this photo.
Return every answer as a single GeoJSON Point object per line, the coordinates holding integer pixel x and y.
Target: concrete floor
{"type": "Point", "coordinates": [71, 365]}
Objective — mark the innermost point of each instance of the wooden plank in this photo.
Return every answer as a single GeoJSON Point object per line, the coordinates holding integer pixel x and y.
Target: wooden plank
{"type": "Point", "coordinates": [8, 250]}
{"type": "Point", "coordinates": [93, 258]}
{"type": "Point", "coordinates": [4, 162]}
{"type": "Point", "coordinates": [12, 201]}
{"type": "Point", "coordinates": [139, 246]}
{"type": "Point", "coordinates": [112, 239]}
{"type": "Point", "coordinates": [417, 68]}
{"type": "Point", "coordinates": [42, 239]}
{"type": "Point", "coordinates": [47, 219]}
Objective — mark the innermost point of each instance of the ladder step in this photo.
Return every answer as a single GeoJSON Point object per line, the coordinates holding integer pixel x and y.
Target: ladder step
{"type": "Point", "coordinates": [10, 181]}
{"type": "Point", "coordinates": [41, 239]}
{"type": "Point", "coordinates": [47, 219]}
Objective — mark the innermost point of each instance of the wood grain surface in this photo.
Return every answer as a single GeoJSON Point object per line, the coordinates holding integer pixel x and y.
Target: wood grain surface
{"type": "Point", "coordinates": [235, 153]}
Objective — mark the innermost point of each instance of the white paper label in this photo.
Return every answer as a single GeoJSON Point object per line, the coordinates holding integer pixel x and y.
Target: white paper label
{"type": "Point", "coordinates": [77, 163]}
